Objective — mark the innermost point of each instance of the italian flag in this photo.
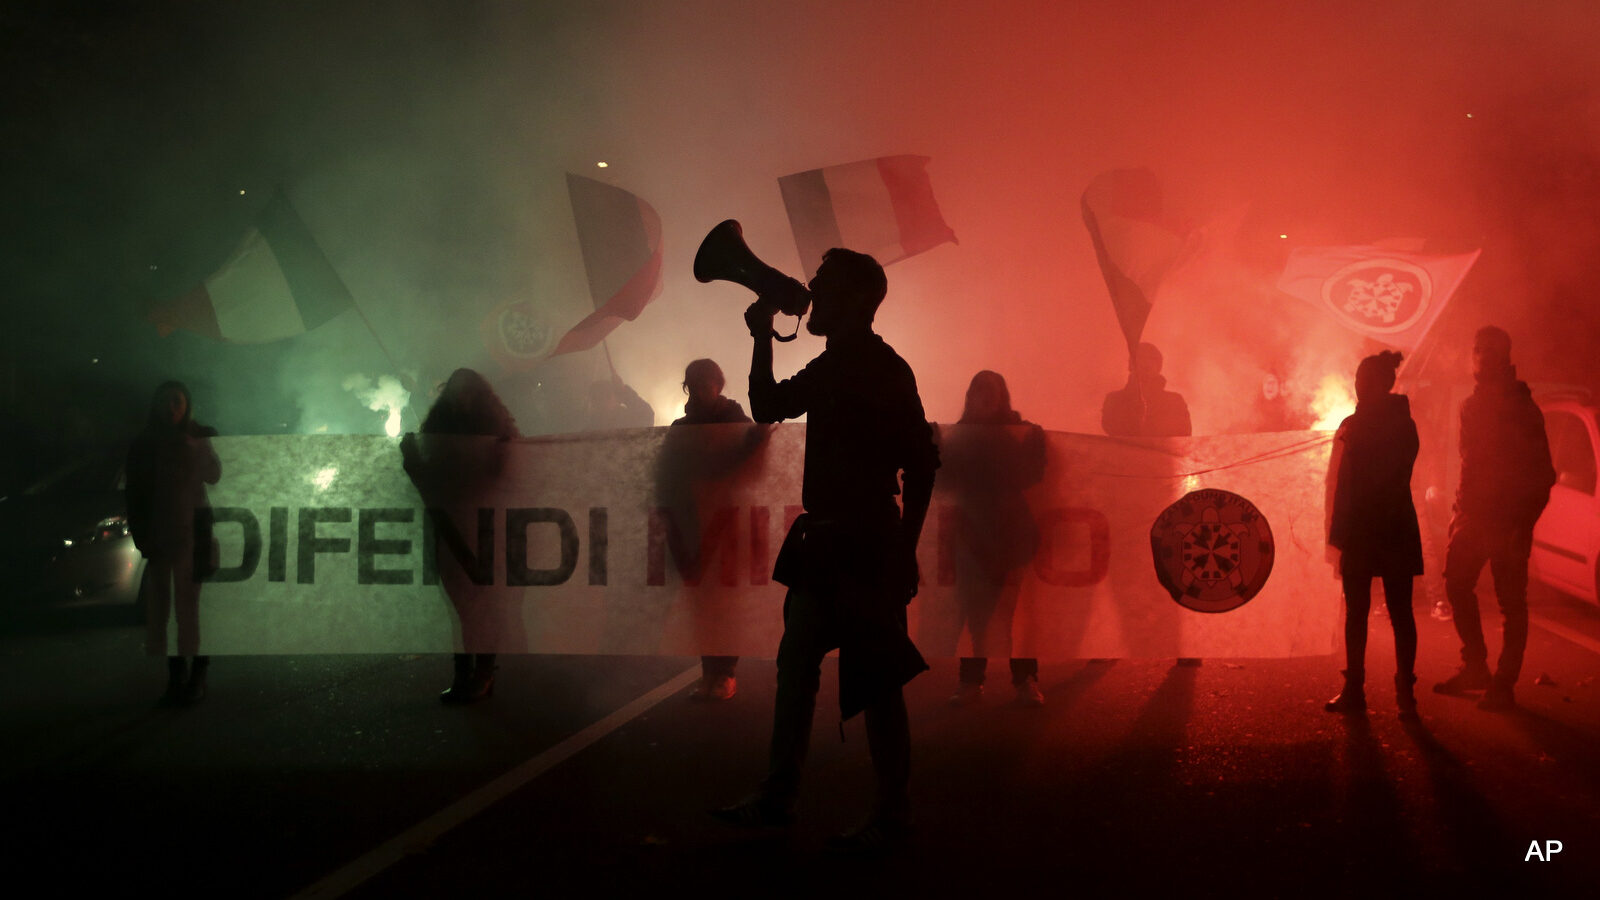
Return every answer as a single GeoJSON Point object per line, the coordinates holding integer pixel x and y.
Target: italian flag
{"type": "Point", "coordinates": [619, 235]}
{"type": "Point", "coordinates": [882, 207]}
{"type": "Point", "coordinates": [1136, 246]}
{"type": "Point", "coordinates": [275, 285]}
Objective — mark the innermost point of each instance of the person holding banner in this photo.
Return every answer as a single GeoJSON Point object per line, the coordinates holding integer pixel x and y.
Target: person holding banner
{"type": "Point", "coordinates": [682, 462]}
{"type": "Point", "coordinates": [169, 465]}
{"type": "Point", "coordinates": [1373, 525]}
{"type": "Point", "coordinates": [455, 476]}
{"type": "Point", "coordinates": [1145, 408]}
{"type": "Point", "coordinates": [850, 560]}
{"type": "Point", "coordinates": [1506, 476]}
{"type": "Point", "coordinates": [990, 457]}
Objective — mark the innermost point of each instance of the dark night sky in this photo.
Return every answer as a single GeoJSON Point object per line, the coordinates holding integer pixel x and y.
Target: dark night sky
{"type": "Point", "coordinates": [426, 143]}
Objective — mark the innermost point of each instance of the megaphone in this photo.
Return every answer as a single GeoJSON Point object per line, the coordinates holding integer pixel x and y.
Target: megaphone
{"type": "Point", "coordinates": [724, 256]}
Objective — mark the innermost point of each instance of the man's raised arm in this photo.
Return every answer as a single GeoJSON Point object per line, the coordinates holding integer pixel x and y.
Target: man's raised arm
{"type": "Point", "coordinates": [769, 401]}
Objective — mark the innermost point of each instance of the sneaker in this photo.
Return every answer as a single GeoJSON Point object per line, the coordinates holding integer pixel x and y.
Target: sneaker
{"type": "Point", "coordinates": [755, 811]}
{"type": "Point", "coordinates": [967, 695]}
{"type": "Point", "coordinates": [1498, 698]}
{"type": "Point", "coordinates": [874, 838]}
{"type": "Point", "coordinates": [1028, 693]}
{"type": "Point", "coordinates": [1471, 677]}
{"type": "Point", "coordinates": [722, 687]}
{"type": "Point", "coordinates": [1442, 611]}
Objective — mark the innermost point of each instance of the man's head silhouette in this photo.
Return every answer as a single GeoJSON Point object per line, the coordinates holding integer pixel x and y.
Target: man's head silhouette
{"type": "Point", "coordinates": [1491, 352]}
{"type": "Point", "coordinates": [845, 293]}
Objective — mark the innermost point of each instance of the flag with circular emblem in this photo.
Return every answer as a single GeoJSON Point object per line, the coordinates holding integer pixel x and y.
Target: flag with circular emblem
{"type": "Point", "coordinates": [1389, 296]}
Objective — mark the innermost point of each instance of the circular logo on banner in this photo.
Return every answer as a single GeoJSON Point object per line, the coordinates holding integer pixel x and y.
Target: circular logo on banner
{"type": "Point", "coordinates": [1213, 550]}
{"type": "Point", "coordinates": [1379, 295]}
{"type": "Point", "coordinates": [523, 333]}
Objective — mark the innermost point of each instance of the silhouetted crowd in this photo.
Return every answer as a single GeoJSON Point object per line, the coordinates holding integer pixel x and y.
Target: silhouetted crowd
{"type": "Point", "coordinates": [849, 561]}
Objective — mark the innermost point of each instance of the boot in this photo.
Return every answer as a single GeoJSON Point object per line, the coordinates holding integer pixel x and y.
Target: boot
{"type": "Point", "coordinates": [461, 685]}
{"type": "Point", "coordinates": [1498, 698]}
{"type": "Point", "coordinates": [1472, 676]}
{"type": "Point", "coordinates": [967, 694]}
{"type": "Point", "coordinates": [482, 683]}
{"type": "Point", "coordinates": [1353, 699]}
{"type": "Point", "coordinates": [1405, 697]}
{"type": "Point", "coordinates": [177, 675]}
{"type": "Point", "coordinates": [195, 690]}
{"type": "Point", "coordinates": [473, 683]}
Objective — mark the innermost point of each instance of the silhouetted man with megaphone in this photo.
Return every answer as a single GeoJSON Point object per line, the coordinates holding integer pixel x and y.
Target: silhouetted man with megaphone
{"type": "Point", "coordinates": [850, 561]}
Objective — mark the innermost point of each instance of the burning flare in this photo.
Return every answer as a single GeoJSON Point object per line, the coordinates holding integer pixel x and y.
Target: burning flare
{"type": "Point", "coordinates": [1333, 401]}
{"type": "Point", "coordinates": [387, 396]}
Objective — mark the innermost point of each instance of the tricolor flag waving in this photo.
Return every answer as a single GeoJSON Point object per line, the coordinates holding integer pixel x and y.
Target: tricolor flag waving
{"type": "Point", "coordinates": [1389, 296]}
{"type": "Point", "coordinates": [620, 236]}
{"type": "Point", "coordinates": [883, 207]}
{"type": "Point", "coordinates": [275, 285]}
{"type": "Point", "coordinates": [1136, 246]}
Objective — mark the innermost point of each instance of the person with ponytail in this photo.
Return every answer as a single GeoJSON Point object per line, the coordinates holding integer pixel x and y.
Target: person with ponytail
{"type": "Point", "coordinates": [1373, 526]}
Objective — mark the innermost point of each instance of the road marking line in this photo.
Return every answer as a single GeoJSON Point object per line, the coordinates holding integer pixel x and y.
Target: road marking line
{"type": "Point", "coordinates": [1582, 640]}
{"type": "Point", "coordinates": [430, 829]}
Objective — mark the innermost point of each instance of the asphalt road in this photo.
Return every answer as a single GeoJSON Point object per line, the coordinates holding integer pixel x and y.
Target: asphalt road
{"type": "Point", "coordinates": [591, 776]}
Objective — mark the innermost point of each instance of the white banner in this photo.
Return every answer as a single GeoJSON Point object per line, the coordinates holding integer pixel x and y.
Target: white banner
{"type": "Point", "coordinates": [661, 541]}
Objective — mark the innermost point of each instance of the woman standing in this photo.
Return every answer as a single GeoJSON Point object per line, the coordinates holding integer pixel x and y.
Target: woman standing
{"type": "Point", "coordinates": [455, 478]}
{"type": "Point", "coordinates": [169, 465]}
{"type": "Point", "coordinates": [1373, 525]}
{"type": "Point", "coordinates": [990, 457]}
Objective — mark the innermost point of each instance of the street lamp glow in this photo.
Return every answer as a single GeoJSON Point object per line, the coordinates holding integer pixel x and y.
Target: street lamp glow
{"type": "Point", "coordinates": [602, 164]}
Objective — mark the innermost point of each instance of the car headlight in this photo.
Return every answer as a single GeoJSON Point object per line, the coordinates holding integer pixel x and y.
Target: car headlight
{"type": "Point", "coordinates": [110, 528]}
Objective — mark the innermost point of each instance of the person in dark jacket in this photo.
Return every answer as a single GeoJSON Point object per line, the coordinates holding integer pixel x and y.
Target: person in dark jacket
{"type": "Point", "coordinates": [850, 560]}
{"type": "Point", "coordinates": [987, 466]}
{"type": "Point", "coordinates": [1506, 475]}
{"type": "Point", "coordinates": [456, 477]}
{"type": "Point", "coordinates": [1145, 408]}
{"type": "Point", "coordinates": [1373, 524]}
{"type": "Point", "coordinates": [703, 381]}
{"type": "Point", "coordinates": [169, 465]}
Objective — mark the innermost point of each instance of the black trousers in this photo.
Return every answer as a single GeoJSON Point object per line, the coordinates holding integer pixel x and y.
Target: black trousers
{"type": "Point", "coordinates": [1505, 548]}
{"type": "Point", "coordinates": [811, 628]}
{"type": "Point", "coordinates": [1397, 590]}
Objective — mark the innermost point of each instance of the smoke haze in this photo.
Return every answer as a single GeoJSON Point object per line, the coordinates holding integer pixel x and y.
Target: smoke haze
{"type": "Point", "coordinates": [425, 145]}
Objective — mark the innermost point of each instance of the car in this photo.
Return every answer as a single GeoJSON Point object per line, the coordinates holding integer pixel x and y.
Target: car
{"type": "Point", "coordinates": [1566, 540]}
{"type": "Point", "coordinates": [66, 540]}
